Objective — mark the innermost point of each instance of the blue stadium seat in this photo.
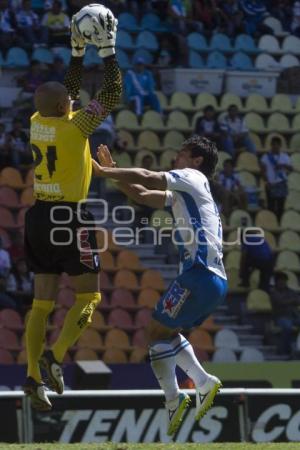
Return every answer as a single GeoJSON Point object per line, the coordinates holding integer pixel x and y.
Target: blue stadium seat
{"type": "Point", "coordinates": [241, 61]}
{"type": "Point", "coordinates": [216, 60]}
{"type": "Point", "coordinates": [220, 41]}
{"type": "Point", "coordinates": [43, 55]}
{"type": "Point", "coordinates": [147, 40]}
{"type": "Point", "coordinates": [151, 22]}
{"type": "Point", "coordinates": [16, 57]}
{"type": "Point", "coordinates": [124, 40]}
{"type": "Point", "coordinates": [123, 59]}
{"type": "Point", "coordinates": [195, 60]}
{"type": "Point", "coordinates": [64, 53]}
{"type": "Point", "coordinates": [127, 22]}
{"type": "Point", "coordinates": [91, 57]}
{"type": "Point", "coordinates": [197, 42]}
{"type": "Point", "coordinates": [142, 53]}
{"type": "Point", "coordinates": [245, 43]}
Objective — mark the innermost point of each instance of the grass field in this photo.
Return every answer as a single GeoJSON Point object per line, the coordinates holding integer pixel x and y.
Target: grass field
{"type": "Point", "coordinates": [227, 446]}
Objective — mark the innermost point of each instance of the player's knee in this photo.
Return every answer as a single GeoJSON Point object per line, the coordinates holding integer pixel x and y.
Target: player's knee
{"type": "Point", "coordinates": [89, 303]}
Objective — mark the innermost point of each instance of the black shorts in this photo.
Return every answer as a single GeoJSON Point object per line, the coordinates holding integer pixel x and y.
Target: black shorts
{"type": "Point", "coordinates": [58, 241]}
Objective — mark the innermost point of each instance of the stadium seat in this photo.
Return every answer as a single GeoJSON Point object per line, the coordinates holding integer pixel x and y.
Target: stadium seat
{"type": "Point", "coordinates": [128, 22]}
{"type": "Point", "coordinates": [269, 44]}
{"type": "Point", "coordinates": [140, 155]}
{"type": "Point", "coordinates": [266, 62]}
{"type": "Point", "coordinates": [98, 322]}
{"type": "Point", "coordinates": [86, 354]}
{"type": "Point", "coordinates": [167, 159]}
{"type": "Point", "coordinates": [29, 178]}
{"type": "Point", "coordinates": [216, 60]}
{"type": "Point", "coordinates": [105, 282]}
{"type": "Point", "coordinates": [293, 282]}
{"type": "Point", "coordinates": [127, 259]}
{"type": "Point", "coordinates": [91, 57]}
{"type": "Point", "coordinates": [173, 140]}
{"type": "Point", "coordinates": [11, 177]}
{"type": "Point", "coordinates": [16, 58]}
{"type": "Point", "coordinates": [232, 259]}
{"type": "Point", "coordinates": [292, 201]}
{"type": "Point", "coordinates": [114, 356]}
{"type": "Point", "coordinates": [9, 339]}
{"type": "Point", "coordinates": [144, 54]}
{"type": "Point", "coordinates": [107, 241]}
{"type": "Point", "coordinates": [149, 140]}
{"type": "Point", "coordinates": [245, 43]}
{"type": "Point", "coordinates": [254, 122]}
{"type": "Point", "coordinates": [143, 318]}
{"type": "Point", "coordinates": [64, 53]}
{"type": "Point", "coordinates": [6, 357]}
{"type": "Point", "coordinates": [233, 279]}
{"type": "Point", "coordinates": [224, 355]}
{"type": "Point", "coordinates": [266, 220]}
{"type": "Point", "coordinates": [258, 301]}
{"type": "Point", "coordinates": [152, 23]}
{"type": "Point", "coordinates": [197, 41]}
{"type": "Point", "coordinates": [152, 278]}
{"type": "Point", "coordinates": [22, 357]}
{"type": "Point", "coordinates": [290, 220]}
{"type": "Point", "coordinates": [138, 355]}
{"type": "Point", "coordinates": [247, 180]}
{"type": "Point", "coordinates": [221, 42]}
{"type": "Point", "coordinates": [296, 123]}
{"type": "Point", "coordinates": [227, 338]}
{"type": "Point", "coordinates": [123, 59]}
{"type": "Point", "coordinates": [139, 339]}
{"type": "Point", "coordinates": [288, 260]}
{"type": "Point", "coordinates": [229, 99]}
{"type": "Point", "coordinates": [241, 61]}
{"type": "Point", "coordinates": [42, 55]}
{"type": "Point", "coordinates": [201, 339]}
{"type": "Point", "coordinates": [278, 122]}
{"type": "Point", "coordinates": [275, 25]}
{"type": "Point", "coordinates": [127, 119]}
{"type": "Point", "coordinates": [125, 279]}
{"type": "Point", "coordinates": [122, 159]}
{"type": "Point", "coordinates": [270, 238]}
{"type": "Point", "coordinates": [122, 298]}
{"type": "Point", "coordinates": [256, 103]}
{"type": "Point", "coordinates": [153, 121]}
{"type": "Point", "coordinates": [204, 99]}
{"type": "Point", "coordinates": [177, 120]}
{"type": "Point", "coordinates": [127, 138]}
{"type": "Point", "coordinates": [161, 219]}
{"type": "Point", "coordinates": [119, 318]}
{"type": "Point", "coordinates": [90, 339]}
{"type": "Point", "coordinates": [6, 219]}
{"type": "Point", "coordinates": [296, 161]}
{"type": "Point", "coordinates": [181, 100]}
{"type": "Point", "coordinates": [163, 100]}
{"type": "Point", "coordinates": [289, 240]}
{"type": "Point", "coordinates": [288, 61]}
{"type": "Point", "coordinates": [148, 297]}
{"type": "Point", "coordinates": [124, 40]}
{"type": "Point", "coordinates": [294, 181]}
{"type": "Point", "coordinates": [195, 60]}
{"type": "Point", "coordinates": [11, 319]}
{"type": "Point", "coordinates": [222, 156]}
{"type": "Point", "coordinates": [27, 198]}
{"type": "Point", "coordinates": [291, 44]}
{"type": "Point", "coordinates": [239, 218]}
{"type": "Point", "coordinates": [248, 161]}
{"type": "Point", "coordinates": [282, 103]}
{"type": "Point", "coordinates": [9, 197]}
{"type": "Point", "coordinates": [21, 217]}
{"type": "Point", "coordinates": [107, 261]}
{"type": "Point", "coordinates": [116, 339]}
{"type": "Point", "coordinates": [210, 325]}
{"type": "Point", "coordinates": [251, 355]}
{"type": "Point", "coordinates": [147, 40]}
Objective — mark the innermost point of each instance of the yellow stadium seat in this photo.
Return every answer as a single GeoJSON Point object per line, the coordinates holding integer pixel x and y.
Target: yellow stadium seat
{"type": "Point", "coordinates": [122, 159]}
{"type": "Point", "coordinates": [290, 220]}
{"type": "Point", "coordinates": [127, 259]}
{"type": "Point", "coordinates": [294, 181]}
{"type": "Point", "coordinates": [259, 301]}
{"type": "Point", "coordinates": [178, 120]}
{"type": "Point", "coordinates": [248, 161]}
{"type": "Point", "coordinates": [27, 198]}
{"type": "Point", "coordinates": [149, 140]}
{"type": "Point", "coordinates": [86, 354]}
{"type": "Point", "coordinates": [222, 156]}
{"type": "Point", "coordinates": [278, 122]}
{"type": "Point", "coordinates": [269, 138]}
{"type": "Point", "coordinates": [229, 99]}
{"type": "Point", "coordinates": [257, 141]}
{"type": "Point", "coordinates": [151, 278]}
{"type": "Point", "coordinates": [127, 138]}
{"type": "Point", "coordinates": [282, 103]}
{"type": "Point", "coordinates": [127, 119]}
{"type": "Point", "coordinates": [254, 279]}
{"type": "Point", "coordinates": [256, 103]}
{"type": "Point", "coordinates": [126, 279]}
{"type": "Point", "coordinates": [295, 143]}
{"type": "Point", "coordinates": [12, 177]}
{"type": "Point", "coordinates": [239, 218]}
{"type": "Point", "coordinates": [162, 99]}
{"type": "Point", "coordinates": [173, 139]}
{"type": "Point", "coordinates": [204, 99]}
{"type": "Point", "coordinates": [167, 159]}
{"type": "Point", "coordinates": [181, 100]}
{"type": "Point", "coordinates": [161, 219]}
{"type": "Point", "coordinates": [247, 179]}
{"type": "Point", "coordinates": [148, 297]}
{"type": "Point", "coordinates": [232, 260]}
{"type": "Point", "coordinates": [114, 356]}
{"type": "Point", "coordinates": [296, 123]}
{"type": "Point", "coordinates": [292, 201]}
{"type": "Point", "coordinates": [84, 97]}
{"type": "Point", "coordinates": [233, 279]}
{"type": "Point", "coordinates": [293, 282]}
{"type": "Point", "coordinates": [153, 121]}
{"type": "Point", "coordinates": [117, 339]}
{"type": "Point", "coordinates": [138, 162]}
{"type": "Point", "coordinates": [107, 261]}
{"type": "Point", "coordinates": [289, 240]}
{"type": "Point", "coordinates": [271, 240]}
{"type": "Point", "coordinates": [254, 122]}
{"type": "Point", "coordinates": [288, 260]}
{"type": "Point", "coordinates": [266, 219]}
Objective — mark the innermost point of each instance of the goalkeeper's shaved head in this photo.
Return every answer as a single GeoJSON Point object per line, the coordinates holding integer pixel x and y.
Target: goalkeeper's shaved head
{"type": "Point", "coordinates": [51, 99]}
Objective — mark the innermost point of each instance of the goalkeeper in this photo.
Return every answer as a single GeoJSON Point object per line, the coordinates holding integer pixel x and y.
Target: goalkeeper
{"type": "Point", "coordinates": [63, 169]}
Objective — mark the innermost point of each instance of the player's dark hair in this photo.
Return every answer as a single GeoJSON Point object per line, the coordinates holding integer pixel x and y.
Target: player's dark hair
{"type": "Point", "coordinates": [201, 146]}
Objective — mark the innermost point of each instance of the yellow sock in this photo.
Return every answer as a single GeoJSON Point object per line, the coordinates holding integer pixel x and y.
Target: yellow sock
{"type": "Point", "coordinates": [35, 335]}
{"type": "Point", "coordinates": [76, 320]}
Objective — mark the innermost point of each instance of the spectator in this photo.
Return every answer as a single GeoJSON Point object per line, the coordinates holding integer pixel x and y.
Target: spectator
{"type": "Point", "coordinates": [28, 24]}
{"type": "Point", "coordinates": [208, 126]}
{"type": "Point", "coordinates": [57, 71]}
{"type": "Point", "coordinates": [8, 154]}
{"type": "Point", "coordinates": [295, 26]}
{"type": "Point", "coordinates": [7, 26]}
{"type": "Point", "coordinates": [20, 143]}
{"type": "Point", "coordinates": [207, 13]}
{"type": "Point", "coordinates": [283, 11]}
{"type": "Point", "coordinates": [233, 192]}
{"type": "Point", "coordinates": [148, 162]}
{"type": "Point", "coordinates": [20, 280]}
{"type": "Point", "coordinates": [139, 88]}
{"type": "Point", "coordinates": [5, 264]}
{"type": "Point", "coordinates": [275, 166]}
{"type": "Point", "coordinates": [256, 254]}
{"type": "Point", "coordinates": [5, 300]}
{"type": "Point", "coordinates": [104, 134]}
{"type": "Point", "coordinates": [254, 12]}
{"type": "Point", "coordinates": [178, 13]}
{"type": "Point", "coordinates": [16, 250]}
{"type": "Point", "coordinates": [33, 78]}
{"type": "Point", "coordinates": [236, 130]}
{"type": "Point", "coordinates": [232, 17]}
{"type": "Point", "coordinates": [57, 25]}
{"type": "Point", "coordinates": [285, 303]}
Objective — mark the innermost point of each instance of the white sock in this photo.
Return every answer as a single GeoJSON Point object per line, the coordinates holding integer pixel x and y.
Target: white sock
{"type": "Point", "coordinates": [163, 365]}
{"type": "Point", "coordinates": [187, 361]}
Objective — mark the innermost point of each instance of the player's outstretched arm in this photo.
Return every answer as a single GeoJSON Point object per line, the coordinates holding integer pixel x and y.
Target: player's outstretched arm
{"type": "Point", "coordinates": [144, 196]}
{"type": "Point", "coordinates": [73, 77]}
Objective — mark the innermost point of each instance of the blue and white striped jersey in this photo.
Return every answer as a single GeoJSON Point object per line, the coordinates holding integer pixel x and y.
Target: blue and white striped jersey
{"type": "Point", "coordinates": [197, 221]}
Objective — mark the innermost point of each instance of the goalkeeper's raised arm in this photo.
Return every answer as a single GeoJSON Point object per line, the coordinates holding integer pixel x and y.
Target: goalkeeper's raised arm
{"type": "Point", "coordinates": [104, 38]}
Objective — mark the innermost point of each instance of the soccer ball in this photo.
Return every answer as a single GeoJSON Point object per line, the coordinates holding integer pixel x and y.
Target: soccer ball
{"type": "Point", "coordinates": [90, 19]}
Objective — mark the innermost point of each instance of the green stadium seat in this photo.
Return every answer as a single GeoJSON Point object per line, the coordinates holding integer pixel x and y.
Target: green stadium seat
{"type": "Point", "coordinates": [152, 120]}
{"type": "Point", "coordinates": [167, 159]}
{"type": "Point", "coordinates": [127, 119]}
{"type": "Point", "coordinates": [181, 100]}
{"type": "Point", "coordinates": [178, 120]}
{"type": "Point", "coordinates": [204, 99]}
{"type": "Point", "coordinates": [256, 103]}
{"type": "Point", "coordinates": [230, 99]}
{"type": "Point", "coordinates": [173, 140]}
{"type": "Point", "coordinates": [254, 122]}
{"type": "Point", "coordinates": [149, 140]}
{"type": "Point", "coordinates": [278, 122]}
{"type": "Point", "coordinates": [281, 103]}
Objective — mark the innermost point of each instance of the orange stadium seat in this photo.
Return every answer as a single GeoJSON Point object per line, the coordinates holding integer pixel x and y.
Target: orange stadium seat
{"type": "Point", "coordinates": [86, 354]}
{"type": "Point", "coordinates": [105, 241]}
{"type": "Point", "coordinates": [11, 319]}
{"type": "Point", "coordinates": [114, 356]}
{"type": "Point", "coordinates": [138, 355]}
{"type": "Point", "coordinates": [201, 355]}
{"type": "Point", "coordinates": [210, 325]}
{"type": "Point", "coordinates": [152, 279]}
{"type": "Point", "coordinates": [142, 318]}
{"type": "Point", "coordinates": [98, 322]}
{"type": "Point", "coordinates": [123, 298]}
{"type": "Point", "coordinates": [29, 179]}
{"type": "Point", "coordinates": [127, 259]}
{"type": "Point", "coordinates": [11, 177]}
{"type": "Point", "coordinates": [90, 339]}
{"type": "Point", "coordinates": [8, 339]}
{"type": "Point", "coordinates": [6, 357]}
{"type": "Point", "coordinates": [125, 279]}
{"type": "Point", "coordinates": [9, 197]}
{"type": "Point", "coordinates": [139, 339]}
{"type": "Point", "coordinates": [117, 338]}
{"type": "Point", "coordinates": [105, 282]}
{"type": "Point", "coordinates": [201, 339]}
{"type": "Point", "coordinates": [120, 318]}
{"type": "Point", "coordinates": [148, 297]}
{"type": "Point", "coordinates": [7, 219]}
{"type": "Point", "coordinates": [107, 261]}
{"type": "Point", "coordinates": [27, 198]}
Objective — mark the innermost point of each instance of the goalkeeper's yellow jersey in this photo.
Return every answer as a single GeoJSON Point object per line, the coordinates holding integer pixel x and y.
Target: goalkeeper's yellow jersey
{"type": "Point", "coordinates": [62, 157]}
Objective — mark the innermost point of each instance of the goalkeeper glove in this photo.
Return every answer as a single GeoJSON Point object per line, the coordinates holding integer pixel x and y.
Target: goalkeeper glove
{"type": "Point", "coordinates": [77, 41]}
{"type": "Point", "coordinates": [104, 37]}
